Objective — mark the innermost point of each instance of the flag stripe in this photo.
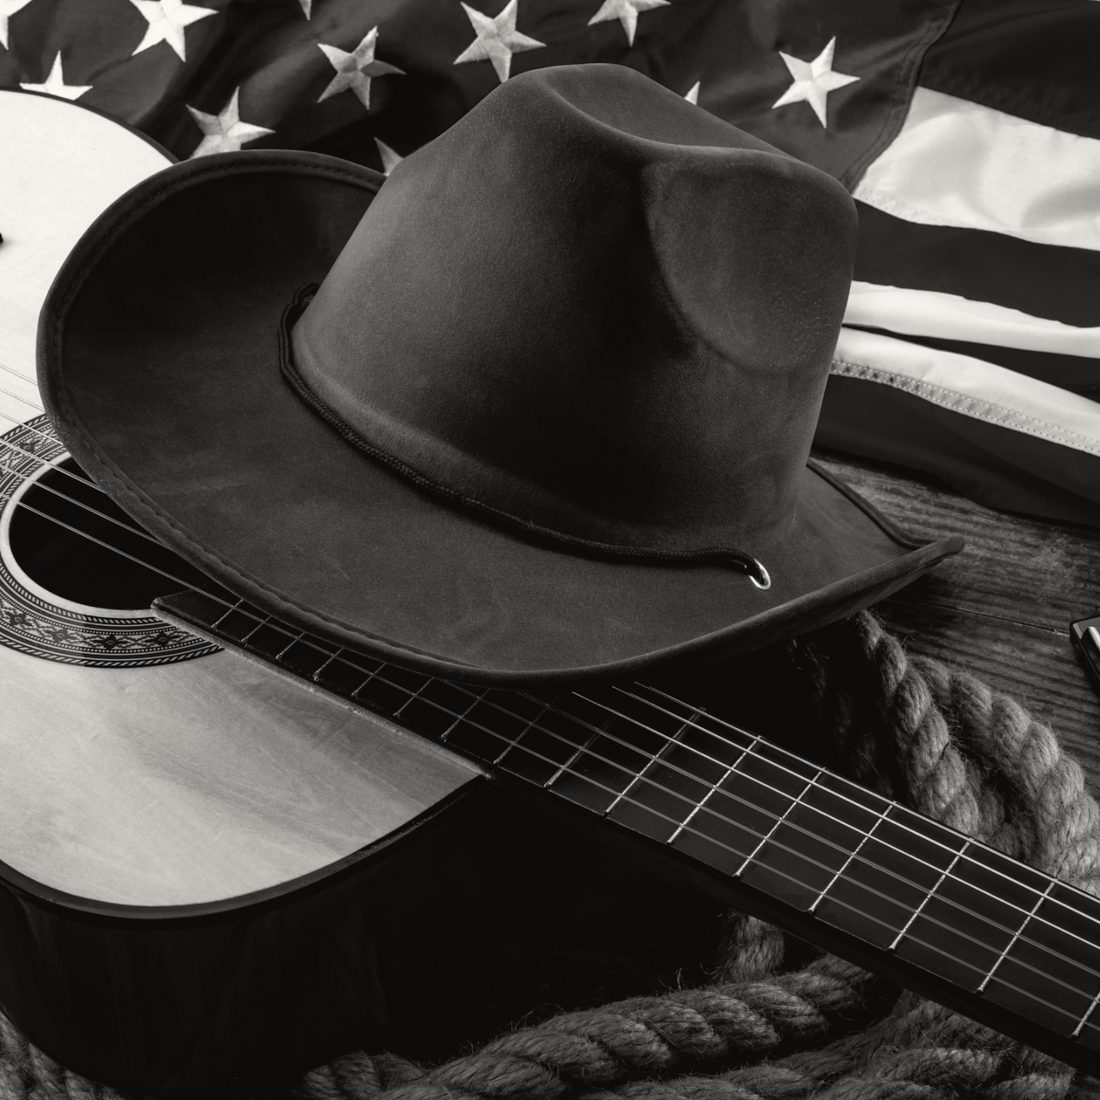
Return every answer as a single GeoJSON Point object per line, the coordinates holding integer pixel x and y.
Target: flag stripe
{"type": "Point", "coordinates": [1035, 59]}
{"type": "Point", "coordinates": [972, 388]}
{"type": "Point", "coordinates": [1071, 372]}
{"type": "Point", "coordinates": [959, 163]}
{"type": "Point", "coordinates": [1061, 283]}
{"type": "Point", "coordinates": [995, 465]}
{"type": "Point", "coordinates": [1005, 439]}
{"type": "Point", "coordinates": [932, 313]}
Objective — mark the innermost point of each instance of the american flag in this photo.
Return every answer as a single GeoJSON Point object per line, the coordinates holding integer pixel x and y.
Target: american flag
{"type": "Point", "coordinates": [968, 133]}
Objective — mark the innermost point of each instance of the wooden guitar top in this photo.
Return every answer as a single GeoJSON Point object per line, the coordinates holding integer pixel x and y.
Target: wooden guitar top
{"type": "Point", "coordinates": [197, 781]}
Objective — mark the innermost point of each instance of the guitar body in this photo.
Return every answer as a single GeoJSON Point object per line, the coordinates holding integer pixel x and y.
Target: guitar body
{"type": "Point", "coordinates": [202, 866]}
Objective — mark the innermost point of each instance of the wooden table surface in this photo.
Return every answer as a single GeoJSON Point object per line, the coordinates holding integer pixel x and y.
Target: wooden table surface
{"type": "Point", "coordinates": [1002, 607]}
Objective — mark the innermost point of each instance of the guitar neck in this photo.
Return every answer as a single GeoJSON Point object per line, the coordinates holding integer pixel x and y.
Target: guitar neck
{"type": "Point", "coordinates": [782, 837]}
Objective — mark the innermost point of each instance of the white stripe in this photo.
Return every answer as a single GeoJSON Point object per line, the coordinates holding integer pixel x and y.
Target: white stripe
{"type": "Point", "coordinates": [933, 313]}
{"type": "Point", "coordinates": [972, 388]}
{"type": "Point", "coordinates": [957, 163]}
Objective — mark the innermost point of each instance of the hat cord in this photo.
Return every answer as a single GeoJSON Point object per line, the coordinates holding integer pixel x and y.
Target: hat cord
{"type": "Point", "coordinates": [725, 556]}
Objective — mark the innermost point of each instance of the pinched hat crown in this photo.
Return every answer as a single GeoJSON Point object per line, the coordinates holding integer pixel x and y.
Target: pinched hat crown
{"type": "Point", "coordinates": [595, 308]}
{"type": "Point", "coordinates": [552, 386]}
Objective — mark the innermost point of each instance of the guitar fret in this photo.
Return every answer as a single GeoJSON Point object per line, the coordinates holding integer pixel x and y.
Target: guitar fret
{"type": "Point", "coordinates": [663, 797]}
{"type": "Point", "coordinates": [624, 793]}
{"type": "Point", "coordinates": [596, 767]}
{"type": "Point", "coordinates": [569, 764]}
{"type": "Point", "coordinates": [924, 901]}
{"type": "Point", "coordinates": [578, 752]}
{"type": "Point", "coordinates": [439, 708]}
{"type": "Point", "coordinates": [380, 694]}
{"type": "Point", "coordinates": [853, 855]}
{"type": "Point", "coordinates": [491, 729]}
{"type": "Point", "coordinates": [1016, 935]}
{"type": "Point", "coordinates": [1087, 1017]}
{"type": "Point", "coordinates": [775, 828]}
{"type": "Point", "coordinates": [1051, 973]}
{"type": "Point", "coordinates": [958, 912]}
{"type": "Point", "coordinates": [341, 673]}
{"type": "Point", "coordinates": [713, 788]}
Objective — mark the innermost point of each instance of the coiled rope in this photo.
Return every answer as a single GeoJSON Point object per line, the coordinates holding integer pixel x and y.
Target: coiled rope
{"type": "Point", "coordinates": [780, 1022]}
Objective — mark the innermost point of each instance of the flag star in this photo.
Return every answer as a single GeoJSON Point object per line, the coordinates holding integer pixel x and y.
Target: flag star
{"type": "Point", "coordinates": [7, 9]}
{"type": "Point", "coordinates": [692, 94]}
{"type": "Point", "coordinates": [167, 19]}
{"type": "Point", "coordinates": [225, 133]}
{"type": "Point", "coordinates": [355, 70]}
{"type": "Point", "coordinates": [390, 158]}
{"type": "Point", "coordinates": [497, 39]}
{"type": "Point", "coordinates": [55, 84]}
{"type": "Point", "coordinates": [813, 80]}
{"type": "Point", "coordinates": [626, 11]}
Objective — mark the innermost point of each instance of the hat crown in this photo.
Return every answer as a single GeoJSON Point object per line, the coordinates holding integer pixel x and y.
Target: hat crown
{"type": "Point", "coordinates": [595, 307]}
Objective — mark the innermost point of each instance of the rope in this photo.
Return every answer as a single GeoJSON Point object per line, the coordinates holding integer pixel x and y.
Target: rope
{"type": "Point", "coordinates": [781, 1021]}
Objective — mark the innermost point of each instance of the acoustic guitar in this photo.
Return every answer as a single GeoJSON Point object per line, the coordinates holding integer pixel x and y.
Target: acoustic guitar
{"type": "Point", "coordinates": [204, 866]}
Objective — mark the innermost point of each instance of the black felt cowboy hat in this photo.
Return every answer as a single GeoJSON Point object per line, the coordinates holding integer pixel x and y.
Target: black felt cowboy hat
{"type": "Point", "coordinates": [548, 414]}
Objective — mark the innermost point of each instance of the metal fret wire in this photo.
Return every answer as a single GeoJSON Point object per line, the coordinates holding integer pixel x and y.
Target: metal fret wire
{"type": "Point", "coordinates": [1003, 954]}
{"type": "Point", "coordinates": [1082, 1021]}
{"type": "Point", "coordinates": [888, 805]}
{"type": "Point", "coordinates": [811, 783]}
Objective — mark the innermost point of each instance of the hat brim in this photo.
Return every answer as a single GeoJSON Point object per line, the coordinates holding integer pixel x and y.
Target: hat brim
{"type": "Point", "coordinates": [159, 361]}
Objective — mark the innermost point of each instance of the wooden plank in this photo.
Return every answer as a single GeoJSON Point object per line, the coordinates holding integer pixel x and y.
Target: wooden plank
{"type": "Point", "coordinates": [1015, 568]}
{"type": "Point", "coordinates": [1002, 608]}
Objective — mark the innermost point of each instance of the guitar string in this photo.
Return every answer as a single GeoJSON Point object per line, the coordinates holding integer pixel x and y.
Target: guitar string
{"type": "Point", "coordinates": [1081, 1021]}
{"type": "Point", "coordinates": [680, 825]}
{"type": "Point", "coordinates": [693, 777]}
{"type": "Point", "coordinates": [886, 805]}
{"type": "Point", "coordinates": [21, 376]}
{"type": "Point", "coordinates": [130, 528]}
{"type": "Point", "coordinates": [156, 542]}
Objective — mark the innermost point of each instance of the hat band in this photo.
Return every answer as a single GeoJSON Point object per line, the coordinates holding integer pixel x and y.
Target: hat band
{"type": "Point", "coordinates": [725, 556]}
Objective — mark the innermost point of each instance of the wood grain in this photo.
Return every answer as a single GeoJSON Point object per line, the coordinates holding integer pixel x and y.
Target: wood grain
{"type": "Point", "coordinates": [1001, 608]}
{"type": "Point", "coordinates": [184, 783]}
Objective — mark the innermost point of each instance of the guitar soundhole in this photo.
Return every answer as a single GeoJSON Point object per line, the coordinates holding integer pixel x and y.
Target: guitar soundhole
{"type": "Point", "coordinates": [74, 541]}
{"type": "Point", "coordinates": [77, 577]}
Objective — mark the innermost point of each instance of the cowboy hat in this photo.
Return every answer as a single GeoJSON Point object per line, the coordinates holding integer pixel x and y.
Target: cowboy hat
{"type": "Point", "coordinates": [537, 407]}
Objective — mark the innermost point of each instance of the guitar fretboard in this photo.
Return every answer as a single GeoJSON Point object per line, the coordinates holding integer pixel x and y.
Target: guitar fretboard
{"type": "Point", "coordinates": [836, 863]}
